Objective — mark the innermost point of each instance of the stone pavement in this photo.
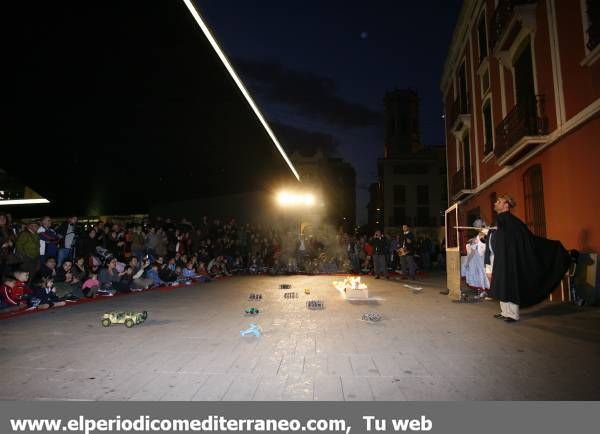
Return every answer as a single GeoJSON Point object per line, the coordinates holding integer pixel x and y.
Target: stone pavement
{"type": "Point", "coordinates": [190, 348]}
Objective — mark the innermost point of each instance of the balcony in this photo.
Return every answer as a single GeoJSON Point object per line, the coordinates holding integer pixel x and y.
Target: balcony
{"type": "Point", "coordinates": [503, 18]}
{"type": "Point", "coordinates": [459, 115]}
{"type": "Point", "coordinates": [525, 127]}
{"type": "Point", "coordinates": [461, 183]}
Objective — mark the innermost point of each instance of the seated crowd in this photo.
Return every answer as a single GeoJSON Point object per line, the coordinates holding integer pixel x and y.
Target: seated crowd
{"type": "Point", "coordinates": [45, 266]}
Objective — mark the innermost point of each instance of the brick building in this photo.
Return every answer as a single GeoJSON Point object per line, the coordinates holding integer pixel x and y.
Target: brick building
{"type": "Point", "coordinates": [521, 86]}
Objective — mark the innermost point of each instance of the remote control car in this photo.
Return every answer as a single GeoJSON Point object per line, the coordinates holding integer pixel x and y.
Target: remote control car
{"type": "Point", "coordinates": [285, 286]}
{"type": "Point", "coordinates": [128, 318]}
{"type": "Point", "coordinates": [315, 304]}
{"type": "Point", "coordinates": [252, 330]}
{"type": "Point", "coordinates": [251, 311]}
{"type": "Point", "coordinates": [372, 317]}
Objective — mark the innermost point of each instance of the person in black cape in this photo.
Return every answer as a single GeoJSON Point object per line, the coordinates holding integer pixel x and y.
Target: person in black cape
{"type": "Point", "coordinates": [525, 268]}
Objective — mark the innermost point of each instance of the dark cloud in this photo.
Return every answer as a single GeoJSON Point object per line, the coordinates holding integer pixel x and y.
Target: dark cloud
{"type": "Point", "coordinates": [304, 141]}
{"type": "Point", "coordinates": [308, 94]}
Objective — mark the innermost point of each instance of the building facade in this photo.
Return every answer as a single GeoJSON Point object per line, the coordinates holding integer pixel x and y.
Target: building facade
{"type": "Point", "coordinates": [411, 187]}
{"type": "Point", "coordinates": [521, 87]}
{"type": "Point", "coordinates": [413, 191]}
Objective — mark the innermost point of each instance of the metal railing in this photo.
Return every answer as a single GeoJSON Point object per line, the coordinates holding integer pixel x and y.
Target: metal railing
{"type": "Point", "coordinates": [461, 180]}
{"type": "Point", "coordinates": [527, 118]}
{"type": "Point", "coordinates": [501, 18]}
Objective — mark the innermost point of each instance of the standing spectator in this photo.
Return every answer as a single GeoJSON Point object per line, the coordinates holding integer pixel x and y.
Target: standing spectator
{"type": "Point", "coordinates": [353, 254]}
{"type": "Point", "coordinates": [151, 241]}
{"type": "Point", "coordinates": [6, 242]}
{"type": "Point", "coordinates": [27, 248]}
{"type": "Point", "coordinates": [67, 231]}
{"type": "Point", "coordinates": [409, 268]}
{"type": "Point", "coordinates": [137, 243]}
{"type": "Point", "coordinates": [48, 239]}
{"type": "Point", "coordinates": [380, 248]}
{"type": "Point", "coordinates": [426, 249]}
{"type": "Point", "coordinates": [86, 244]}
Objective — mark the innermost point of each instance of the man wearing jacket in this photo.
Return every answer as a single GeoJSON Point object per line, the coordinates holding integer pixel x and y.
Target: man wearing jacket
{"type": "Point", "coordinates": [380, 249]}
{"type": "Point", "coordinates": [48, 239]}
{"type": "Point", "coordinates": [27, 248]}
{"type": "Point", "coordinates": [407, 242]}
{"type": "Point", "coordinates": [68, 233]}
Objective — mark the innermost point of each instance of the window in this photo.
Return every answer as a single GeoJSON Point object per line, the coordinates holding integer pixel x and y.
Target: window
{"type": "Point", "coordinates": [415, 169]}
{"type": "Point", "coordinates": [482, 37]}
{"type": "Point", "coordinates": [423, 194]}
{"type": "Point", "coordinates": [592, 26]}
{"type": "Point", "coordinates": [423, 216]}
{"type": "Point", "coordinates": [399, 217]}
{"type": "Point", "coordinates": [535, 214]}
{"type": "Point", "coordinates": [488, 145]}
{"type": "Point", "coordinates": [399, 194]}
{"type": "Point", "coordinates": [462, 90]}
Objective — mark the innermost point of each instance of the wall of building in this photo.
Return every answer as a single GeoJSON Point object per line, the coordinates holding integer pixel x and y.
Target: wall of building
{"type": "Point", "coordinates": [568, 153]}
{"type": "Point", "coordinates": [571, 201]}
{"type": "Point", "coordinates": [433, 178]}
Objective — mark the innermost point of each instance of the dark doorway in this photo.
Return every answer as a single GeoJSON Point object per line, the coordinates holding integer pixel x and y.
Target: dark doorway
{"type": "Point", "coordinates": [535, 212]}
{"type": "Point", "coordinates": [525, 89]}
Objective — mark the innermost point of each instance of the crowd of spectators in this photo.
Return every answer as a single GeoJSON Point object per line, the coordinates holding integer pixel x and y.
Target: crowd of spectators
{"type": "Point", "coordinates": [44, 265]}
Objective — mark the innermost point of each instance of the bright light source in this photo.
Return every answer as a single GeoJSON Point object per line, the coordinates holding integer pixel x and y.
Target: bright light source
{"type": "Point", "coordinates": [286, 198]}
{"type": "Point", "coordinates": [23, 201]}
{"type": "Point", "coordinates": [239, 83]}
{"type": "Point", "coordinates": [308, 199]}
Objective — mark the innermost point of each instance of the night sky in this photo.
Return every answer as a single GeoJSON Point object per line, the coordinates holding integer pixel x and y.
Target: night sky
{"type": "Point", "coordinates": [323, 67]}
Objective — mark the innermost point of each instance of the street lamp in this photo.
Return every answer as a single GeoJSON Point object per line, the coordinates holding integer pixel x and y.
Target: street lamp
{"type": "Point", "coordinates": [291, 199]}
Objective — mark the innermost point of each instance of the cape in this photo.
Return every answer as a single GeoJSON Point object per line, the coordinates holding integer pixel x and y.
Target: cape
{"type": "Point", "coordinates": [527, 268]}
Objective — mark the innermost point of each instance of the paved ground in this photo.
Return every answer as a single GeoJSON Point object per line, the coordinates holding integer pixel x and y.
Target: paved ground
{"type": "Point", "coordinates": [426, 348]}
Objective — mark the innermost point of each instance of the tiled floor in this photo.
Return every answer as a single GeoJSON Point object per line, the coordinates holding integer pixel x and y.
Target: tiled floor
{"type": "Point", "coordinates": [190, 348]}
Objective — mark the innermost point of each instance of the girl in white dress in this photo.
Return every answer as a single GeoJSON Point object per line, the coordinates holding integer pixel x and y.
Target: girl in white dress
{"type": "Point", "coordinates": [474, 268]}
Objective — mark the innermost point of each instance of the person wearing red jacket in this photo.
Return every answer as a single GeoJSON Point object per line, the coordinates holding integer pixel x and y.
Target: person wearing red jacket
{"type": "Point", "coordinates": [13, 291]}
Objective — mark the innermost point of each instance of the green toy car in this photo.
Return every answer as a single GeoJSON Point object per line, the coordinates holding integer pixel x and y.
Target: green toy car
{"type": "Point", "coordinates": [128, 318]}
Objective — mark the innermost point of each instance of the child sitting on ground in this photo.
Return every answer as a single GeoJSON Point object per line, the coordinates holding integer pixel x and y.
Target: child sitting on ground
{"type": "Point", "coordinates": [91, 285]}
{"type": "Point", "coordinates": [46, 293]}
{"type": "Point", "coordinates": [11, 296]}
{"type": "Point", "coordinates": [152, 273]}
